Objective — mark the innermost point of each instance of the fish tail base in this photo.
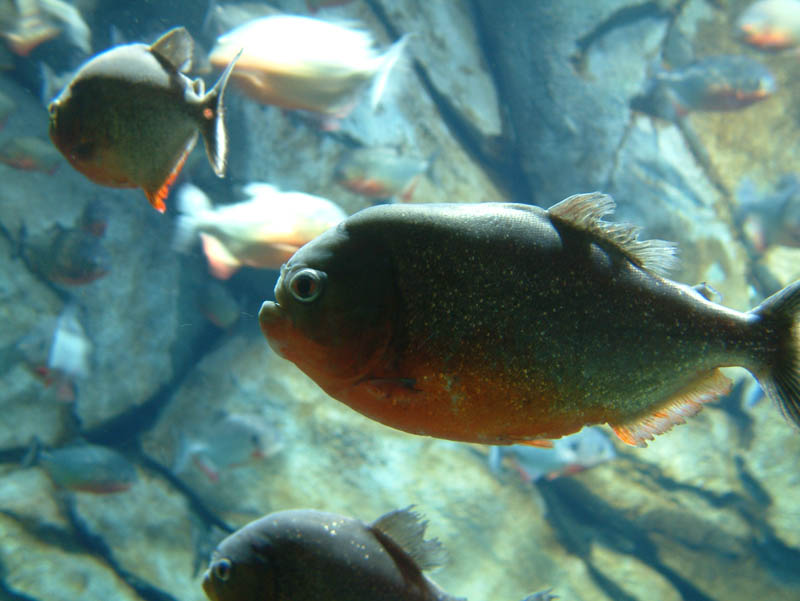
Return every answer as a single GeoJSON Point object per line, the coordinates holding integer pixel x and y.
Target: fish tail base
{"type": "Point", "coordinates": [780, 378]}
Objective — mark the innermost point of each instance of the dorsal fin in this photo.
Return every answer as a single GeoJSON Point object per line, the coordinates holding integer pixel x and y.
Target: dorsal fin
{"type": "Point", "coordinates": [586, 212]}
{"type": "Point", "coordinates": [675, 410]}
{"type": "Point", "coordinates": [175, 47]}
{"type": "Point", "coordinates": [407, 529]}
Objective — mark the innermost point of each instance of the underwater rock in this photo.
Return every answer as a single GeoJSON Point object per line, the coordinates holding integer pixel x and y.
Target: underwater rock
{"type": "Point", "coordinates": [367, 468]}
{"type": "Point", "coordinates": [445, 42]}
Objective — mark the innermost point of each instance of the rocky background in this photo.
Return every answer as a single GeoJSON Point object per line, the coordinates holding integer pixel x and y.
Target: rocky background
{"type": "Point", "coordinates": [524, 101]}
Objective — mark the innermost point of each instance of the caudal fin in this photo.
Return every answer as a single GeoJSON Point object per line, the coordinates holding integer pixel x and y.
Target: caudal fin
{"type": "Point", "coordinates": [212, 118]}
{"type": "Point", "coordinates": [388, 61]}
{"type": "Point", "coordinates": [780, 377]}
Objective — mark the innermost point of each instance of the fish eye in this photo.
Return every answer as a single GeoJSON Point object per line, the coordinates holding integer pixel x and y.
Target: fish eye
{"type": "Point", "coordinates": [306, 285]}
{"type": "Point", "coordinates": [222, 569]}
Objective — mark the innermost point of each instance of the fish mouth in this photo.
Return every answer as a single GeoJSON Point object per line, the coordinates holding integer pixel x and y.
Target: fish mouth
{"type": "Point", "coordinates": [211, 593]}
{"type": "Point", "coordinates": [270, 317]}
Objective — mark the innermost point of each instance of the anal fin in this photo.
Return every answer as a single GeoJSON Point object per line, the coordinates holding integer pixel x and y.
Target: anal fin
{"type": "Point", "coordinates": [675, 410]}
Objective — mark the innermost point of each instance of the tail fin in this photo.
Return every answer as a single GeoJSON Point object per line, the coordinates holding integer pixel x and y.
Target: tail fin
{"type": "Point", "coordinates": [781, 378]}
{"type": "Point", "coordinates": [213, 121]}
{"type": "Point", "coordinates": [388, 61]}
{"type": "Point", "coordinates": [192, 201]}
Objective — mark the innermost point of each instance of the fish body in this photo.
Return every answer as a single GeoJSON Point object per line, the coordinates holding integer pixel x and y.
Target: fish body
{"type": "Point", "coordinates": [715, 83]}
{"type": "Point", "coordinates": [219, 305]}
{"type": "Point", "coordinates": [380, 173]}
{"type": "Point", "coordinates": [308, 555]}
{"type": "Point", "coordinates": [771, 24]}
{"type": "Point", "coordinates": [301, 63]}
{"type": "Point", "coordinates": [574, 453]}
{"type": "Point", "coordinates": [231, 440]}
{"type": "Point", "coordinates": [130, 116]}
{"type": "Point", "coordinates": [767, 219]}
{"type": "Point", "coordinates": [88, 468]}
{"type": "Point", "coordinates": [262, 231]}
{"type": "Point", "coordinates": [505, 323]}
{"type": "Point", "coordinates": [30, 153]}
{"type": "Point", "coordinates": [69, 256]}
{"type": "Point", "coordinates": [58, 352]}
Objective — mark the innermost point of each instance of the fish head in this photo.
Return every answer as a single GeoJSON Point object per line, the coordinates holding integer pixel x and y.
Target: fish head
{"type": "Point", "coordinates": [70, 130]}
{"type": "Point", "coordinates": [240, 568]}
{"type": "Point", "coordinates": [333, 308]}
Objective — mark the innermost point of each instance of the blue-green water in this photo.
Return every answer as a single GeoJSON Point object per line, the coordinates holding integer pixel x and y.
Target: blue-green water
{"type": "Point", "coordinates": [139, 348]}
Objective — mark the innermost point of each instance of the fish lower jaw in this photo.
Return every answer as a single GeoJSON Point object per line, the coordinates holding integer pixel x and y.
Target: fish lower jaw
{"type": "Point", "coordinates": [270, 316]}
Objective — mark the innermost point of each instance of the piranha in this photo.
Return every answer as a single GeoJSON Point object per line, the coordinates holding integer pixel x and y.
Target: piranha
{"type": "Point", "coordinates": [87, 468]}
{"type": "Point", "coordinates": [308, 555]}
{"type": "Point", "coordinates": [771, 24]}
{"type": "Point", "coordinates": [300, 63]}
{"type": "Point", "coordinates": [569, 455]}
{"type": "Point", "coordinates": [230, 440]}
{"type": "Point", "coordinates": [504, 323]}
{"type": "Point", "coordinates": [714, 83]}
{"type": "Point", "coordinates": [262, 231]}
{"type": "Point", "coordinates": [130, 117]}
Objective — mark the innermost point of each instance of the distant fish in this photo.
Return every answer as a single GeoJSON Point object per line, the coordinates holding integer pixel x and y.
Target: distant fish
{"type": "Point", "coordinates": [771, 24]}
{"type": "Point", "coordinates": [501, 323]}
{"type": "Point", "coordinates": [71, 22]}
{"type": "Point", "coordinates": [230, 440]}
{"type": "Point", "coordinates": [304, 555]}
{"type": "Point", "coordinates": [715, 83]}
{"type": "Point", "coordinates": [262, 231]}
{"type": "Point", "coordinates": [87, 468]}
{"type": "Point", "coordinates": [301, 63]}
{"type": "Point", "coordinates": [139, 94]}
{"type": "Point", "coordinates": [218, 304]}
{"type": "Point", "coordinates": [68, 256]}
{"type": "Point", "coordinates": [26, 25]}
{"type": "Point", "coordinates": [7, 107]}
{"type": "Point", "coordinates": [381, 172]}
{"type": "Point", "coordinates": [773, 218]}
{"type": "Point", "coordinates": [25, 29]}
{"type": "Point", "coordinates": [57, 351]}
{"type": "Point", "coordinates": [584, 449]}
{"type": "Point", "coordinates": [30, 153]}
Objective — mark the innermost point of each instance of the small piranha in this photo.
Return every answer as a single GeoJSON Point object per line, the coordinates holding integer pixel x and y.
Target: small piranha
{"type": "Point", "coordinates": [230, 440]}
{"type": "Point", "coordinates": [130, 117]}
{"type": "Point", "coordinates": [768, 219]}
{"type": "Point", "coordinates": [262, 231]}
{"type": "Point", "coordinates": [218, 304]}
{"type": "Point", "coordinates": [68, 256]}
{"type": "Point", "coordinates": [309, 555]}
{"type": "Point", "coordinates": [26, 25]}
{"type": "Point", "coordinates": [57, 351]}
{"type": "Point", "coordinates": [7, 107]}
{"type": "Point", "coordinates": [86, 468]}
{"type": "Point", "coordinates": [30, 153]}
{"type": "Point", "coordinates": [714, 83]}
{"type": "Point", "coordinates": [24, 30]}
{"type": "Point", "coordinates": [381, 172]}
{"type": "Point", "coordinates": [301, 63]}
{"type": "Point", "coordinates": [571, 454]}
{"type": "Point", "coordinates": [770, 24]}
{"type": "Point", "coordinates": [503, 323]}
